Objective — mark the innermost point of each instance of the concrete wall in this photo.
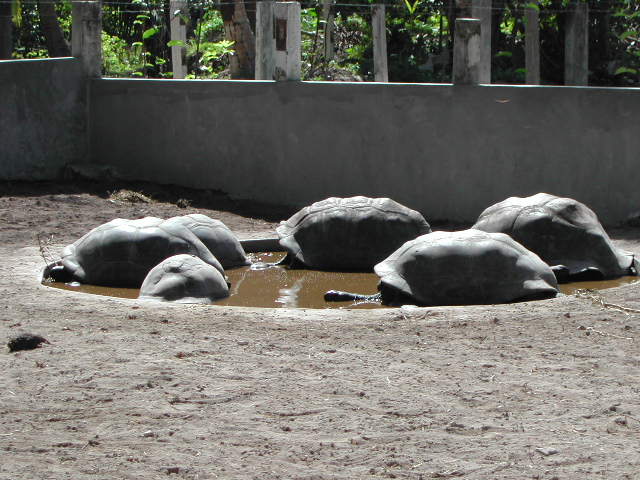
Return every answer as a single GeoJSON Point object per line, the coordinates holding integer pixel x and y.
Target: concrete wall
{"type": "Point", "coordinates": [446, 151]}
{"type": "Point", "coordinates": [42, 117]}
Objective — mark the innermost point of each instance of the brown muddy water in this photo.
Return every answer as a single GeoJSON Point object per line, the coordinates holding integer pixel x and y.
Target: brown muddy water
{"type": "Point", "coordinates": [261, 285]}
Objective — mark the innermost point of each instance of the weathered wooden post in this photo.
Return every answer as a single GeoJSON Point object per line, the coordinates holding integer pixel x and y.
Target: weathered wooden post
{"type": "Point", "coordinates": [532, 43]}
{"type": "Point", "coordinates": [481, 9]}
{"type": "Point", "coordinates": [379, 28]}
{"type": "Point", "coordinates": [265, 41]}
{"type": "Point", "coordinates": [576, 44]}
{"type": "Point", "coordinates": [464, 8]}
{"type": "Point", "coordinates": [287, 41]}
{"type": "Point", "coordinates": [327, 16]}
{"type": "Point", "coordinates": [466, 52]}
{"type": "Point", "coordinates": [178, 9]}
{"type": "Point", "coordinates": [6, 31]}
{"type": "Point", "coordinates": [86, 36]}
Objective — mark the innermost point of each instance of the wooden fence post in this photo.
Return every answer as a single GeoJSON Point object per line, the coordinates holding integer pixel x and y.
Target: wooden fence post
{"type": "Point", "coordinates": [576, 44]}
{"type": "Point", "coordinates": [481, 9]}
{"type": "Point", "coordinates": [379, 28]}
{"type": "Point", "coordinates": [265, 41]}
{"type": "Point", "coordinates": [466, 52]}
{"type": "Point", "coordinates": [287, 41]}
{"type": "Point", "coordinates": [6, 31]}
{"type": "Point", "coordinates": [464, 7]}
{"type": "Point", "coordinates": [327, 16]}
{"type": "Point", "coordinates": [532, 43]}
{"type": "Point", "coordinates": [178, 11]}
{"type": "Point", "coordinates": [86, 36]}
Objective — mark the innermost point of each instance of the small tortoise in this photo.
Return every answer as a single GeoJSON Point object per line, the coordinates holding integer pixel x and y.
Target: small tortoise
{"type": "Point", "coordinates": [348, 234]}
{"type": "Point", "coordinates": [565, 233]}
{"type": "Point", "coordinates": [184, 279]}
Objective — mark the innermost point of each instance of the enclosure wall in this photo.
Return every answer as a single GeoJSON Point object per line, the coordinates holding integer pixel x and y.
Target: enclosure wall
{"type": "Point", "coordinates": [447, 151]}
{"type": "Point", "coordinates": [42, 117]}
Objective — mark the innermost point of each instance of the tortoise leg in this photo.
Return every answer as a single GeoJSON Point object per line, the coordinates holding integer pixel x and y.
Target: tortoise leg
{"type": "Point", "coordinates": [394, 298]}
{"type": "Point", "coordinates": [588, 274]}
{"type": "Point", "coordinates": [562, 273]}
{"type": "Point", "coordinates": [290, 261]}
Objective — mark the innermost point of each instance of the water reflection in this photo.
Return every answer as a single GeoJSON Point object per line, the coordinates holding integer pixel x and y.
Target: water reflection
{"type": "Point", "coordinates": [289, 296]}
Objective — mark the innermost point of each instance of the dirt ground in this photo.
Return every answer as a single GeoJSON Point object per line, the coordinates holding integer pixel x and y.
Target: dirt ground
{"type": "Point", "coordinates": [139, 390]}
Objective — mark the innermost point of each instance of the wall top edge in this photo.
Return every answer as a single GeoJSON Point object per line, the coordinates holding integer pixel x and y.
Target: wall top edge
{"type": "Point", "coordinates": [363, 84]}
{"type": "Point", "coordinates": [35, 60]}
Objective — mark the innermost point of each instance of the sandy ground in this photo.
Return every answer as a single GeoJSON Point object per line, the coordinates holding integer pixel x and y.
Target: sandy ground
{"type": "Point", "coordinates": [132, 390]}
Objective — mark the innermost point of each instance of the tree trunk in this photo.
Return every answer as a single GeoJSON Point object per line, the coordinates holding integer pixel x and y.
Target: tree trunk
{"type": "Point", "coordinates": [6, 27]}
{"type": "Point", "coordinates": [56, 43]}
{"type": "Point", "coordinates": [238, 29]}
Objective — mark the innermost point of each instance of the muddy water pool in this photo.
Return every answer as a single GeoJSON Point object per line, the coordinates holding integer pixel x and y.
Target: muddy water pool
{"type": "Point", "coordinates": [262, 285]}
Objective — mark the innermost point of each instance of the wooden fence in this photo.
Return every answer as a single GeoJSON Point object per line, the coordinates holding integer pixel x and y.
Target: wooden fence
{"type": "Point", "coordinates": [278, 41]}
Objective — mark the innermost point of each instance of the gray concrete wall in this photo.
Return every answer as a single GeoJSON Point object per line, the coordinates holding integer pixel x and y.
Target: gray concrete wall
{"type": "Point", "coordinates": [446, 151]}
{"type": "Point", "coordinates": [42, 117]}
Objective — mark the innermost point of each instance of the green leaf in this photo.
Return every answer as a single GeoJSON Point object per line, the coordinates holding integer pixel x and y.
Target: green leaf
{"type": "Point", "coordinates": [137, 74]}
{"type": "Point", "coordinates": [504, 54]}
{"type": "Point", "coordinates": [143, 17]}
{"type": "Point", "coordinates": [534, 6]}
{"type": "Point", "coordinates": [411, 6]}
{"type": "Point", "coordinates": [150, 32]}
{"type": "Point", "coordinates": [136, 44]}
{"type": "Point", "coordinates": [627, 34]}
{"type": "Point", "coordinates": [623, 70]}
{"type": "Point", "coordinates": [175, 43]}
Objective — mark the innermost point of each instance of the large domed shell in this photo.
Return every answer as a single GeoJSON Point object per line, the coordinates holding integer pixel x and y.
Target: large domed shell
{"type": "Point", "coordinates": [216, 236]}
{"type": "Point", "coordinates": [121, 252]}
{"type": "Point", "coordinates": [465, 268]}
{"type": "Point", "coordinates": [184, 279]}
{"type": "Point", "coordinates": [562, 231]}
{"type": "Point", "coordinates": [349, 233]}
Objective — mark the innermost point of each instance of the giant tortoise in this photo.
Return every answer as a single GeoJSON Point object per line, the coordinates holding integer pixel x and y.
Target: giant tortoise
{"type": "Point", "coordinates": [464, 268]}
{"type": "Point", "coordinates": [565, 233]}
{"type": "Point", "coordinates": [348, 234]}
{"type": "Point", "coordinates": [460, 268]}
{"type": "Point", "coordinates": [121, 252]}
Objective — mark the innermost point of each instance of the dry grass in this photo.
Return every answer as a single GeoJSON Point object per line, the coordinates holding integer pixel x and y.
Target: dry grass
{"type": "Point", "coordinates": [129, 196]}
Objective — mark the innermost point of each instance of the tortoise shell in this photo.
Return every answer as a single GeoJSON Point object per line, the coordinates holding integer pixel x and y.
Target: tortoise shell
{"type": "Point", "coordinates": [465, 268]}
{"type": "Point", "coordinates": [349, 233]}
{"type": "Point", "coordinates": [184, 279]}
{"type": "Point", "coordinates": [121, 252]}
{"type": "Point", "coordinates": [562, 231]}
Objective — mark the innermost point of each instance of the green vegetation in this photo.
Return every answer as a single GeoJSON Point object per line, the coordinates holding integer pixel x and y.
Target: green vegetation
{"type": "Point", "coordinates": [136, 39]}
